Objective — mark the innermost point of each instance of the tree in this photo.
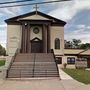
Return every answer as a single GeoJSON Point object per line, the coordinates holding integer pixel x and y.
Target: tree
{"type": "Point", "coordinates": [85, 46]}
{"type": "Point", "coordinates": [68, 44]}
{"type": "Point", "coordinates": [76, 43]}
{"type": "Point", "coordinates": [2, 50]}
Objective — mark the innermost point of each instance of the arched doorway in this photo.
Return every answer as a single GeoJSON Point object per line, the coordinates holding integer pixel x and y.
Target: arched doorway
{"type": "Point", "coordinates": [36, 45]}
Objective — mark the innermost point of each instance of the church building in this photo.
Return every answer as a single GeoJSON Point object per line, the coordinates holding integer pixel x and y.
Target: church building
{"type": "Point", "coordinates": [36, 41]}
{"type": "Point", "coordinates": [35, 32]}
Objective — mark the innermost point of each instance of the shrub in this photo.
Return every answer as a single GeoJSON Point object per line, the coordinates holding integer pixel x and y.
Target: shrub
{"type": "Point", "coordinates": [64, 65]}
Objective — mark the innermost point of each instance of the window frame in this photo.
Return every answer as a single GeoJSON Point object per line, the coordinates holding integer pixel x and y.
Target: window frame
{"type": "Point", "coordinates": [71, 61]}
{"type": "Point", "coordinates": [57, 43]}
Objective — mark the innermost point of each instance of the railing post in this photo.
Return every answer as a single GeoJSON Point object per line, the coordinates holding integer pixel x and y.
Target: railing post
{"type": "Point", "coordinates": [46, 73]}
{"type": "Point", "coordinates": [34, 65]}
{"type": "Point", "coordinates": [52, 51]}
{"type": "Point", "coordinates": [20, 73]}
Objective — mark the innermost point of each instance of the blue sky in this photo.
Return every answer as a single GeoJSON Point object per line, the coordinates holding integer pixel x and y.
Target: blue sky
{"type": "Point", "coordinates": [76, 13]}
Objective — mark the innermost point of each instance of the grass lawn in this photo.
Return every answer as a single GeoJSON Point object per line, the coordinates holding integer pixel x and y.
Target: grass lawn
{"type": "Point", "coordinates": [80, 75]}
{"type": "Point", "coordinates": [2, 62]}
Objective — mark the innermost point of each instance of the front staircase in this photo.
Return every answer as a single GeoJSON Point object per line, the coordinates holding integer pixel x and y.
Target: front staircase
{"type": "Point", "coordinates": [33, 65]}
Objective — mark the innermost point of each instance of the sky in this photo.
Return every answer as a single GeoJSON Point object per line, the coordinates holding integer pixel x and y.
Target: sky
{"type": "Point", "coordinates": [75, 12]}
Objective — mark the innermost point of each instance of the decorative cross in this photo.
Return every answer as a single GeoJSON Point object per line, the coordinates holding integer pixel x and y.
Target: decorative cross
{"type": "Point", "coordinates": [36, 7]}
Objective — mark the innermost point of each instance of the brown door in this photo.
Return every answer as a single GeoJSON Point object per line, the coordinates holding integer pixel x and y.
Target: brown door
{"type": "Point", "coordinates": [88, 62]}
{"type": "Point", "coordinates": [36, 47]}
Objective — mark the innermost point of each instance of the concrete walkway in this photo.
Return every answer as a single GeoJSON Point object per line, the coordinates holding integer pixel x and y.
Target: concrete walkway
{"type": "Point", "coordinates": [63, 75]}
{"type": "Point", "coordinates": [66, 83]}
{"type": "Point", "coordinates": [52, 84]}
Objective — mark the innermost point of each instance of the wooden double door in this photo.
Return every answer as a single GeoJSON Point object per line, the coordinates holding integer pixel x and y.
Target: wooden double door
{"type": "Point", "coordinates": [36, 46]}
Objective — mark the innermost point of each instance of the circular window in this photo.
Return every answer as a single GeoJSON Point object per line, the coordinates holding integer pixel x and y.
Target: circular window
{"type": "Point", "coordinates": [36, 30]}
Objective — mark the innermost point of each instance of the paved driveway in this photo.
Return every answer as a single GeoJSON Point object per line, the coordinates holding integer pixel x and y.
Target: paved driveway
{"type": "Point", "coordinates": [54, 84]}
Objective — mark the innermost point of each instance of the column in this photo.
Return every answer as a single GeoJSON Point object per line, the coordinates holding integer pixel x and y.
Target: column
{"type": "Point", "coordinates": [44, 38]}
{"type": "Point", "coordinates": [23, 38]}
{"type": "Point", "coordinates": [25, 42]}
{"type": "Point", "coordinates": [48, 38]}
{"type": "Point", "coordinates": [28, 39]}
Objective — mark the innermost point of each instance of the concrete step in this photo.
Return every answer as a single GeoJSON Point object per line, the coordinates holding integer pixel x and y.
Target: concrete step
{"type": "Point", "coordinates": [44, 66]}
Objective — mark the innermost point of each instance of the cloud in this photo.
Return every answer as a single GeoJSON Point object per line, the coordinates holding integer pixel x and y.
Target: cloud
{"type": "Point", "coordinates": [81, 32]}
{"type": "Point", "coordinates": [81, 26]}
{"type": "Point", "coordinates": [3, 26]}
{"type": "Point", "coordinates": [83, 36]}
{"type": "Point", "coordinates": [11, 11]}
{"type": "Point", "coordinates": [3, 34]}
{"type": "Point", "coordinates": [67, 10]}
{"type": "Point", "coordinates": [6, 13]}
{"type": "Point", "coordinates": [88, 27]}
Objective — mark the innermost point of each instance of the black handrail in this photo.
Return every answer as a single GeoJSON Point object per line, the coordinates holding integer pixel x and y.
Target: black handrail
{"type": "Point", "coordinates": [34, 65]}
{"type": "Point", "coordinates": [52, 51]}
{"type": "Point", "coordinates": [46, 73]}
{"type": "Point", "coordinates": [12, 60]}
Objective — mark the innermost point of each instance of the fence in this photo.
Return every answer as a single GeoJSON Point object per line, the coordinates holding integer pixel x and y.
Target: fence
{"type": "Point", "coordinates": [81, 64]}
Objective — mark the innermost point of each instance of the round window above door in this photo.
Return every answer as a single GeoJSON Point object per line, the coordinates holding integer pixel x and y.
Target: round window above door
{"type": "Point", "coordinates": [36, 30]}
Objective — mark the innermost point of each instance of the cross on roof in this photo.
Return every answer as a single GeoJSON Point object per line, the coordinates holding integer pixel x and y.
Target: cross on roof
{"type": "Point", "coordinates": [36, 7]}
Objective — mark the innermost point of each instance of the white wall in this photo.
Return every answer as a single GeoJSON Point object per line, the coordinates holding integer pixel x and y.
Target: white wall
{"type": "Point", "coordinates": [13, 38]}
{"type": "Point", "coordinates": [57, 32]}
{"type": "Point", "coordinates": [65, 58]}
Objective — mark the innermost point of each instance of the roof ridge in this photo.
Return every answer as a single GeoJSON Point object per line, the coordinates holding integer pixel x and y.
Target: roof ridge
{"type": "Point", "coordinates": [83, 51]}
{"type": "Point", "coordinates": [39, 13]}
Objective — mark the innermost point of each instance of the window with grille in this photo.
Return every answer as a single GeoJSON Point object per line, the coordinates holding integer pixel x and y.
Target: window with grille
{"type": "Point", "coordinates": [57, 43]}
{"type": "Point", "coordinates": [71, 60]}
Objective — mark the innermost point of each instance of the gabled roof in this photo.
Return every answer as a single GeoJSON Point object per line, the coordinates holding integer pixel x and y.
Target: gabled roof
{"type": "Point", "coordinates": [33, 13]}
{"type": "Point", "coordinates": [77, 52]}
{"type": "Point", "coordinates": [73, 51]}
{"type": "Point", "coordinates": [85, 52]}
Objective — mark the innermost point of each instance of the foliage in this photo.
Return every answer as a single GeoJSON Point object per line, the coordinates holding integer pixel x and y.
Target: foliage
{"type": "Point", "coordinates": [80, 75]}
{"type": "Point", "coordinates": [2, 51]}
{"type": "Point", "coordinates": [2, 62]}
{"type": "Point", "coordinates": [68, 44]}
{"type": "Point", "coordinates": [64, 65]}
{"type": "Point", "coordinates": [85, 46]}
{"type": "Point", "coordinates": [76, 43]}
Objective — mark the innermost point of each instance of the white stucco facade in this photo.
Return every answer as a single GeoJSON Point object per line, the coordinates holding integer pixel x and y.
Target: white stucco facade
{"type": "Point", "coordinates": [33, 35]}
{"type": "Point", "coordinates": [42, 22]}
{"type": "Point", "coordinates": [57, 32]}
{"type": "Point", "coordinates": [14, 34]}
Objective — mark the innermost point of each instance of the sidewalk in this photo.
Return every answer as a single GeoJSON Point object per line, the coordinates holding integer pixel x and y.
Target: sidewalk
{"type": "Point", "coordinates": [63, 75]}
{"type": "Point", "coordinates": [69, 83]}
{"type": "Point", "coordinates": [66, 83]}
{"type": "Point", "coordinates": [53, 84]}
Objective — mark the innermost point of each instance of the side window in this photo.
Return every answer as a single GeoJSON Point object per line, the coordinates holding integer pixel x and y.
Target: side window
{"type": "Point", "coordinates": [59, 60]}
{"type": "Point", "coordinates": [70, 60]}
{"type": "Point", "coordinates": [57, 43]}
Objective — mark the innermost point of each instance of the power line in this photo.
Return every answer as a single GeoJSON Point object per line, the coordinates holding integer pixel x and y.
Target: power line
{"type": "Point", "coordinates": [16, 1]}
{"type": "Point", "coordinates": [32, 3]}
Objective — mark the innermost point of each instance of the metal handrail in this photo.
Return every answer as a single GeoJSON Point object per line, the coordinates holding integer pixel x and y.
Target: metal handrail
{"type": "Point", "coordinates": [52, 51]}
{"type": "Point", "coordinates": [46, 73]}
{"type": "Point", "coordinates": [34, 65]}
{"type": "Point", "coordinates": [12, 60]}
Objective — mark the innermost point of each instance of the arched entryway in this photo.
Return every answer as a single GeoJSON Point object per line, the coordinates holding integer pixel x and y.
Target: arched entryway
{"type": "Point", "coordinates": [36, 45]}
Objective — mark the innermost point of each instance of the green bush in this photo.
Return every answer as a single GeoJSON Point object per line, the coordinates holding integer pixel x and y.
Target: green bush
{"type": "Point", "coordinates": [2, 62]}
